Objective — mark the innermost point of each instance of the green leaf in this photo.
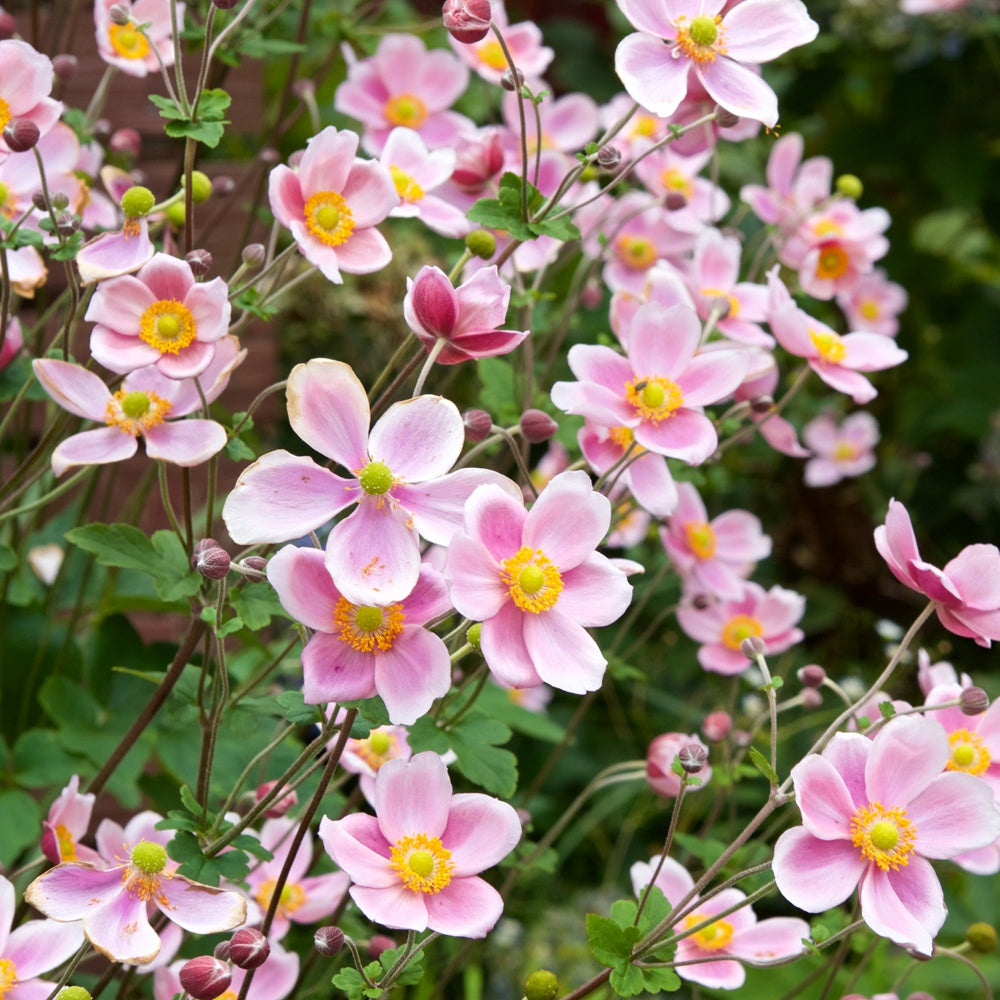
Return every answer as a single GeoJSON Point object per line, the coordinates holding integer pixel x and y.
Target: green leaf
{"type": "Point", "coordinates": [656, 909]}
{"type": "Point", "coordinates": [239, 451]}
{"type": "Point", "coordinates": [255, 46]}
{"type": "Point", "coordinates": [474, 740]}
{"type": "Point", "coordinates": [22, 818]}
{"type": "Point", "coordinates": [660, 980]}
{"type": "Point", "coordinates": [8, 558]}
{"type": "Point", "coordinates": [39, 760]}
{"type": "Point", "coordinates": [763, 765]}
{"type": "Point", "coordinates": [493, 214]}
{"type": "Point", "coordinates": [412, 972]}
{"type": "Point", "coordinates": [189, 801]}
{"type": "Point", "coordinates": [627, 981]}
{"type": "Point", "coordinates": [209, 133]}
{"type": "Point", "coordinates": [208, 123]}
{"type": "Point", "coordinates": [296, 710]}
{"type": "Point", "coordinates": [623, 912]}
{"type": "Point", "coordinates": [251, 845]}
{"type": "Point", "coordinates": [559, 229]}
{"type": "Point", "coordinates": [256, 603]}
{"type": "Point", "coordinates": [608, 942]}
{"type": "Point", "coordinates": [175, 578]}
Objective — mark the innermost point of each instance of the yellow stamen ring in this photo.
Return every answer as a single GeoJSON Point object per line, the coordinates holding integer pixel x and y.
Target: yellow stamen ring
{"type": "Point", "coordinates": [128, 41]}
{"type": "Point", "coordinates": [167, 325]}
{"type": "Point", "coordinates": [714, 937]}
{"type": "Point", "coordinates": [328, 217]}
{"type": "Point", "coordinates": [422, 863]}
{"type": "Point", "coordinates": [406, 187]}
{"type": "Point", "coordinates": [739, 628]}
{"type": "Point", "coordinates": [701, 539]}
{"type": "Point", "coordinates": [655, 397]}
{"type": "Point", "coordinates": [135, 412]}
{"type": "Point", "coordinates": [533, 580]}
{"type": "Point", "coordinates": [367, 629]}
{"type": "Point", "coordinates": [831, 348]}
{"type": "Point", "coordinates": [884, 835]}
{"type": "Point", "coordinates": [968, 753]}
{"type": "Point", "coordinates": [701, 39]}
{"type": "Point", "coordinates": [405, 109]}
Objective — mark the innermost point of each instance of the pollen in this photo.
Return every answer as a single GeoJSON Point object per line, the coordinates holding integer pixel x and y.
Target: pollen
{"type": "Point", "coordinates": [376, 478]}
{"type": "Point", "coordinates": [67, 845]}
{"type": "Point", "coordinates": [636, 252]}
{"type": "Point", "coordinates": [406, 187]}
{"type": "Point", "coordinates": [701, 539]}
{"type": "Point", "coordinates": [292, 897]}
{"type": "Point", "coordinates": [533, 580]}
{"type": "Point", "coordinates": [624, 438]}
{"type": "Point", "coordinates": [830, 347]}
{"type": "Point", "coordinates": [739, 628]}
{"type": "Point", "coordinates": [128, 41]}
{"type": "Point", "coordinates": [644, 125]}
{"type": "Point", "coordinates": [328, 218]}
{"type": "Point", "coordinates": [167, 325]}
{"type": "Point", "coordinates": [654, 397]}
{"type": "Point", "coordinates": [379, 747]}
{"type": "Point", "coordinates": [4, 118]}
{"type": "Point", "coordinates": [368, 629]}
{"type": "Point", "coordinates": [8, 975]}
{"type": "Point", "coordinates": [883, 835]}
{"type": "Point", "coordinates": [135, 412]}
{"type": "Point", "coordinates": [714, 937]}
{"type": "Point", "coordinates": [673, 180]}
{"type": "Point", "coordinates": [701, 39]}
{"type": "Point", "coordinates": [968, 753]}
{"type": "Point", "coordinates": [491, 53]}
{"type": "Point", "coordinates": [422, 863]}
{"type": "Point", "coordinates": [405, 109]}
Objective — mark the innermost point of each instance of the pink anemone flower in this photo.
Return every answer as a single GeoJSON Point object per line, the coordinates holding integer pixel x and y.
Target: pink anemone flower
{"type": "Point", "coordinates": [365, 757]}
{"type": "Point", "coordinates": [333, 203]}
{"type": "Point", "coordinates": [873, 812]}
{"type": "Point", "coordinates": [160, 316]}
{"type": "Point", "coordinates": [399, 486]}
{"type": "Point", "coordinates": [415, 864]}
{"type": "Point", "coordinates": [136, 52]}
{"type": "Point", "coordinates": [109, 255]}
{"type": "Point", "coordinates": [712, 45]}
{"type": "Point", "coordinates": [535, 581]}
{"type": "Point", "coordinates": [358, 651]}
{"type": "Point", "coordinates": [839, 450]}
{"type": "Point", "coordinates": [873, 303]}
{"type": "Point", "coordinates": [523, 40]}
{"type": "Point", "coordinates": [730, 941]}
{"type": "Point", "coordinates": [966, 593]}
{"type": "Point", "coordinates": [25, 84]}
{"type": "Point", "coordinates": [66, 824]}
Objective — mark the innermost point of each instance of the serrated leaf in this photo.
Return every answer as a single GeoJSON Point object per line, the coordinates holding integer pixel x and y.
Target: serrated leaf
{"type": "Point", "coordinates": [660, 980]}
{"type": "Point", "coordinates": [296, 710]}
{"type": "Point", "coordinates": [623, 912]}
{"type": "Point", "coordinates": [559, 229]}
{"type": "Point", "coordinates": [493, 214]}
{"type": "Point", "coordinates": [239, 451]}
{"type": "Point", "coordinates": [19, 829]}
{"type": "Point", "coordinates": [412, 972]}
{"type": "Point", "coordinates": [607, 941]}
{"type": "Point", "coordinates": [255, 603]}
{"type": "Point", "coordinates": [763, 765]}
{"type": "Point", "coordinates": [178, 820]}
{"type": "Point", "coordinates": [349, 980]}
{"type": "Point", "coordinates": [209, 133]}
{"type": "Point", "coordinates": [626, 981]}
{"type": "Point", "coordinates": [657, 908]}
{"type": "Point", "coordinates": [167, 107]}
{"type": "Point", "coordinates": [250, 844]}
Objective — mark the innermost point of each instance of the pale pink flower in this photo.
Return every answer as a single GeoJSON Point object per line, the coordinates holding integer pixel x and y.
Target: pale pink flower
{"type": "Point", "coordinates": [659, 388]}
{"type": "Point", "coordinates": [640, 132]}
{"type": "Point", "coordinates": [365, 757]}
{"type": "Point", "coordinates": [405, 84]}
{"type": "Point", "coordinates": [660, 756]}
{"type": "Point", "coordinates": [25, 84]}
{"type": "Point", "coordinates": [712, 557]}
{"type": "Point", "coordinates": [466, 317]}
{"type": "Point", "coordinates": [535, 581]}
{"type": "Point", "coordinates": [66, 824]}
{"type": "Point", "coordinates": [566, 123]}
{"type": "Point", "coordinates": [697, 104]}
{"type": "Point", "coordinates": [358, 651]}
{"type": "Point", "coordinates": [161, 316]}
{"type": "Point", "coordinates": [135, 52]}
{"type": "Point", "coordinates": [930, 675]}
{"type": "Point", "coordinates": [415, 863]}
{"type": "Point", "coordinates": [873, 812]}
{"type": "Point", "coordinates": [722, 626]}
{"type": "Point", "coordinates": [665, 284]}
{"type": "Point", "coordinates": [931, 6]}
{"type": "Point", "coordinates": [523, 40]}
{"type": "Point", "coordinates": [273, 980]}
{"type": "Point", "coordinates": [20, 179]}
{"type": "Point", "coordinates": [839, 450]}
{"type": "Point", "coordinates": [109, 255]}
{"type": "Point", "coordinates": [555, 460]}
{"type": "Point", "coordinates": [399, 482]}
{"type": "Point", "coordinates": [711, 46]}
{"type": "Point", "coordinates": [873, 303]}
{"type": "Point", "coordinates": [966, 593]}
{"type": "Point", "coordinates": [31, 948]}
{"type": "Point", "coordinates": [692, 202]}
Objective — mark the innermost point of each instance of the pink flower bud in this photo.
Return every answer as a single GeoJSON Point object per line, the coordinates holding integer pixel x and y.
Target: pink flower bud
{"type": "Point", "coordinates": [119, 14]}
{"type": "Point", "coordinates": [200, 262]}
{"type": "Point", "coordinates": [205, 977]}
{"type": "Point", "coordinates": [328, 940]}
{"type": "Point", "coordinates": [479, 160]}
{"type": "Point", "coordinates": [608, 157]}
{"type": "Point", "coordinates": [65, 65]}
{"type": "Point", "coordinates": [591, 295]}
{"type": "Point", "coordinates": [512, 81]}
{"type": "Point", "coordinates": [210, 559]}
{"type": "Point", "coordinates": [254, 255]}
{"type": "Point", "coordinates": [280, 807]}
{"type": "Point", "coordinates": [221, 951]}
{"type": "Point", "coordinates": [660, 760]}
{"type": "Point", "coordinates": [674, 201]}
{"type": "Point", "coordinates": [537, 427]}
{"type": "Point", "coordinates": [752, 647]}
{"type": "Point", "coordinates": [248, 948]}
{"type": "Point", "coordinates": [477, 425]}
{"type": "Point", "coordinates": [126, 142]}
{"type": "Point", "coordinates": [716, 726]}
{"type": "Point", "coordinates": [974, 701]}
{"type": "Point", "coordinates": [379, 943]}
{"type": "Point", "coordinates": [812, 676]}
{"type": "Point", "coordinates": [811, 698]}
{"type": "Point", "coordinates": [467, 21]}
{"type": "Point", "coordinates": [21, 134]}
{"type": "Point", "coordinates": [253, 568]}
{"type": "Point", "coordinates": [725, 118]}
{"type": "Point", "coordinates": [8, 26]}
{"type": "Point", "coordinates": [692, 757]}
{"type": "Point", "coordinates": [434, 302]}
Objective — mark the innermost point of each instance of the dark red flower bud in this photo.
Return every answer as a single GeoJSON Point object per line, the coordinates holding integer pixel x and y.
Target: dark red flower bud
{"type": "Point", "coordinates": [65, 65]}
{"type": "Point", "coordinates": [200, 262]}
{"type": "Point", "coordinates": [512, 81]}
{"type": "Point", "coordinates": [20, 135]}
{"type": "Point", "coordinates": [210, 559]}
{"type": "Point", "coordinates": [467, 21]}
{"type": "Point", "coordinates": [328, 940]}
{"type": "Point", "coordinates": [537, 427]}
{"type": "Point", "coordinates": [205, 977]}
{"type": "Point", "coordinates": [477, 425]}
{"type": "Point", "coordinates": [126, 142]}
{"type": "Point", "coordinates": [812, 676]}
{"type": "Point", "coordinates": [379, 943]}
{"type": "Point", "coordinates": [974, 701]}
{"type": "Point", "coordinates": [692, 757]}
{"type": "Point", "coordinates": [248, 948]}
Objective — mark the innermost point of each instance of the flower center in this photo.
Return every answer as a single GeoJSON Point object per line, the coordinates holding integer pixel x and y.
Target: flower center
{"type": "Point", "coordinates": [739, 628]}
{"type": "Point", "coordinates": [4, 118]}
{"type": "Point", "coordinates": [830, 346]}
{"type": "Point", "coordinates": [869, 309]}
{"type": "Point", "coordinates": [714, 937]}
{"type": "Point", "coordinates": [968, 753]}
{"type": "Point", "coordinates": [655, 398]}
{"type": "Point", "coordinates": [533, 580]}
{"type": "Point", "coordinates": [367, 629]}
{"type": "Point", "coordinates": [644, 125]}
{"type": "Point", "coordinates": [143, 885]}
{"type": "Point", "coordinates": [623, 437]}
{"type": "Point", "coordinates": [827, 227]}
{"type": "Point", "coordinates": [701, 39]}
{"type": "Point", "coordinates": [844, 451]}
{"type": "Point", "coordinates": [701, 539]}
{"type": "Point", "coordinates": [718, 293]}
{"type": "Point", "coordinates": [406, 187]}
{"type": "Point", "coordinates": [67, 845]}
{"type": "Point", "coordinates": [329, 218]}
{"type": "Point", "coordinates": [127, 41]}
{"type": "Point", "coordinates": [8, 975]}
{"type": "Point", "coordinates": [405, 109]}
{"type": "Point", "coordinates": [491, 53]}
{"type": "Point", "coordinates": [379, 747]}
{"type": "Point", "coordinates": [883, 835]}
{"type": "Point", "coordinates": [149, 857]}
{"type": "Point", "coordinates": [422, 863]}
{"type": "Point", "coordinates": [135, 412]}
{"type": "Point", "coordinates": [168, 326]}
{"type": "Point", "coordinates": [291, 898]}
{"type": "Point", "coordinates": [832, 262]}
{"type": "Point", "coordinates": [636, 252]}
{"type": "Point", "coordinates": [376, 478]}
{"type": "Point", "coordinates": [673, 180]}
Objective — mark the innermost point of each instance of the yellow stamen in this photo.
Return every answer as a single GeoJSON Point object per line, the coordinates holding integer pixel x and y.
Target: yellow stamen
{"type": "Point", "coordinates": [827, 227]}
{"type": "Point", "coordinates": [714, 937]}
{"type": "Point", "coordinates": [491, 53]}
{"type": "Point", "coordinates": [127, 41]}
{"type": "Point", "coordinates": [869, 309]}
{"type": "Point", "coordinates": [292, 897]}
{"type": "Point", "coordinates": [701, 39]}
{"type": "Point", "coordinates": [329, 218]}
{"type": "Point", "coordinates": [8, 975]}
{"type": "Point", "coordinates": [167, 325]}
{"type": "Point", "coordinates": [406, 187]}
{"type": "Point", "coordinates": [4, 118]}
{"type": "Point", "coordinates": [968, 752]}
{"type": "Point", "coordinates": [884, 835]}
{"type": "Point", "coordinates": [368, 629]}
{"type": "Point", "coordinates": [718, 293]}
{"type": "Point", "coordinates": [655, 397]}
{"type": "Point", "coordinates": [422, 863]}
{"type": "Point", "coordinates": [636, 252]}
{"type": "Point", "coordinates": [644, 125]}
{"type": "Point", "coordinates": [739, 628]}
{"type": "Point", "coordinates": [830, 346]}
{"type": "Point", "coordinates": [624, 438]}
{"type": "Point", "coordinates": [833, 262]}
{"type": "Point", "coordinates": [379, 747]}
{"type": "Point", "coordinates": [844, 451]}
{"type": "Point", "coordinates": [135, 412]}
{"type": "Point", "coordinates": [673, 180]}
{"type": "Point", "coordinates": [67, 845]}
{"type": "Point", "coordinates": [701, 539]}
{"type": "Point", "coordinates": [533, 580]}
{"type": "Point", "coordinates": [405, 109]}
{"type": "Point", "coordinates": [141, 885]}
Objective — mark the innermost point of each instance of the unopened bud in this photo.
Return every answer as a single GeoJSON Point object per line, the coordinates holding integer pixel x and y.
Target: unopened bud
{"type": "Point", "coordinates": [811, 676]}
{"type": "Point", "coordinates": [60, 201]}
{"type": "Point", "coordinates": [73, 993]}
{"type": "Point", "coordinates": [701, 601]}
{"type": "Point", "coordinates": [467, 21]}
{"type": "Point", "coordinates": [200, 262]}
{"type": "Point", "coordinates": [38, 200]}
{"type": "Point", "coordinates": [20, 135]}
{"type": "Point", "coordinates": [674, 200]}
{"type": "Point", "coordinates": [752, 647]}
{"type": "Point", "coordinates": [724, 118]}
{"type": "Point", "coordinates": [379, 943]}
{"type": "Point", "coordinates": [137, 202]}
{"type": "Point", "coordinates": [608, 157]}
{"type": "Point", "coordinates": [849, 186]}
{"type": "Point", "coordinates": [221, 951]}
{"type": "Point", "coordinates": [982, 936]}
{"type": "Point", "coordinates": [8, 29]}
{"type": "Point", "coordinates": [119, 14]}
{"type": "Point", "coordinates": [541, 985]}
{"type": "Point", "coordinates": [65, 65]}
{"type": "Point", "coordinates": [481, 243]}
{"type": "Point", "coordinates": [223, 184]}
{"type": "Point", "coordinates": [126, 142]}
{"type": "Point", "coordinates": [269, 156]}
{"type": "Point", "coordinates": [512, 81]}
{"type": "Point", "coordinates": [67, 223]}
{"type": "Point", "coordinates": [716, 726]}
{"type": "Point", "coordinates": [811, 698]}
{"type": "Point", "coordinates": [474, 634]}
{"type": "Point", "coordinates": [176, 214]}
{"type": "Point", "coordinates": [477, 425]}
{"type": "Point", "coordinates": [537, 426]}
{"type": "Point", "coordinates": [254, 255]}
{"type": "Point", "coordinates": [253, 568]}
{"type": "Point", "coordinates": [692, 757]}
{"type": "Point", "coordinates": [248, 948]}
{"type": "Point", "coordinates": [210, 559]}
{"type": "Point", "coordinates": [762, 405]}
{"type": "Point", "coordinates": [281, 806]}
{"type": "Point", "coordinates": [205, 977]}
{"type": "Point", "coordinates": [974, 701]}
{"type": "Point", "coordinates": [592, 295]}
{"type": "Point", "coordinates": [328, 940]}
{"type": "Point", "coordinates": [304, 89]}
{"type": "Point", "coordinates": [201, 187]}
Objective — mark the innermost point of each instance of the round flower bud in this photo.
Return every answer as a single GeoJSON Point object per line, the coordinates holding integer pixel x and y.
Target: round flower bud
{"type": "Point", "coordinates": [254, 255]}
{"type": "Point", "coordinates": [721, 306]}
{"type": "Point", "coordinates": [280, 807]}
{"type": "Point", "coordinates": [223, 184]}
{"type": "Point", "coordinates": [973, 701]}
{"type": "Point", "coordinates": [474, 634]}
{"type": "Point", "coordinates": [982, 936]}
{"type": "Point", "coordinates": [149, 857]}
{"type": "Point", "coordinates": [724, 118]}
{"type": "Point", "coordinates": [811, 676]}
{"type": "Point", "coordinates": [379, 943]}
{"type": "Point", "coordinates": [213, 563]}
{"type": "Point", "coordinates": [201, 187]}
{"type": "Point", "coordinates": [126, 142]}
{"type": "Point", "coordinates": [477, 425]}
{"type": "Point", "coordinates": [481, 243]}
{"type": "Point", "coordinates": [467, 21]}
{"type": "Point", "coordinates": [205, 977]}
{"type": "Point", "coordinates": [269, 156]}
{"type": "Point", "coordinates": [762, 405]}
{"type": "Point", "coordinates": [715, 727]}
{"type": "Point", "coordinates": [692, 757]}
{"type": "Point", "coordinates": [176, 214]}
{"type": "Point", "coordinates": [591, 295]}
{"type": "Point", "coordinates": [119, 14]}
{"type": "Point", "coordinates": [537, 427]}
{"type": "Point", "coordinates": [67, 223]}
{"type": "Point", "coordinates": [20, 134]}
{"type": "Point", "coordinates": [221, 951]}
{"type": "Point", "coordinates": [660, 763]}
{"type": "Point", "coordinates": [849, 186]}
{"type": "Point", "coordinates": [59, 201]}
{"type": "Point", "coordinates": [541, 985]}
{"type": "Point", "coordinates": [608, 157]}
{"type": "Point", "coordinates": [674, 201]}
{"type": "Point", "coordinates": [512, 81]}
{"type": "Point", "coordinates": [38, 200]}
{"type": "Point", "coordinates": [701, 601]}
{"type": "Point", "coordinates": [328, 940]}
{"type": "Point", "coordinates": [200, 262]}
{"type": "Point", "coordinates": [752, 647]}
{"type": "Point", "coordinates": [73, 993]}
{"type": "Point", "coordinates": [137, 202]}
{"type": "Point", "coordinates": [253, 568]}
{"type": "Point", "coordinates": [65, 66]}
{"type": "Point", "coordinates": [248, 948]}
{"type": "Point", "coordinates": [811, 698]}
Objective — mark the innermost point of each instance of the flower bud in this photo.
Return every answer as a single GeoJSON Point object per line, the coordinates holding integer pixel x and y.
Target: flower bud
{"type": "Point", "coordinates": [67, 223]}
{"type": "Point", "coordinates": [811, 698]}
{"type": "Point", "coordinates": [254, 255]}
{"type": "Point", "coordinates": [119, 13]}
{"type": "Point", "coordinates": [20, 135]}
{"type": "Point", "coordinates": [608, 157]}
{"type": "Point", "coordinates": [269, 156]}
{"type": "Point", "coordinates": [752, 647]}
{"type": "Point", "coordinates": [201, 187]}
{"type": "Point", "coordinates": [700, 602]}
{"type": "Point", "coordinates": [591, 295]}
{"type": "Point", "coordinates": [477, 425]}
{"type": "Point", "coordinates": [126, 142]}
{"type": "Point", "coordinates": [205, 977]}
{"type": "Point", "coordinates": [210, 559]}
{"type": "Point", "coordinates": [811, 676]}
{"type": "Point", "coordinates": [101, 130]}
{"type": "Point", "coordinates": [248, 948]}
{"type": "Point", "coordinates": [60, 202]}
{"type": "Point", "coordinates": [328, 940]}
{"type": "Point", "coordinates": [379, 943]}
{"type": "Point", "coordinates": [674, 200]}
{"type": "Point", "coordinates": [253, 568]}
{"type": "Point", "coordinates": [762, 405]}
{"type": "Point", "coordinates": [973, 701]}
{"type": "Point", "coordinates": [724, 118]}
{"type": "Point", "coordinates": [474, 635]}
{"type": "Point", "coordinates": [137, 202]}
{"type": "Point", "coordinates": [73, 993]}
{"type": "Point", "coordinates": [278, 808]}
{"type": "Point", "coordinates": [176, 214]}
{"type": "Point", "coordinates": [467, 21]}
{"type": "Point", "coordinates": [65, 65]}
{"type": "Point", "coordinates": [537, 427]}
{"type": "Point", "coordinates": [660, 757]}
{"type": "Point", "coordinates": [692, 757]}
{"type": "Point", "coordinates": [721, 306]}
{"type": "Point", "coordinates": [8, 29]}
{"type": "Point", "coordinates": [479, 159]}
{"type": "Point", "coordinates": [223, 184]}
{"type": "Point", "coordinates": [849, 186]}
{"type": "Point", "coordinates": [716, 726]}
{"type": "Point", "coordinates": [512, 81]}
{"type": "Point", "coordinates": [541, 985]}
{"type": "Point", "coordinates": [481, 243]}
{"type": "Point", "coordinates": [200, 262]}
{"type": "Point", "coordinates": [38, 200]}
{"type": "Point", "coordinates": [982, 936]}
{"type": "Point", "coordinates": [221, 951]}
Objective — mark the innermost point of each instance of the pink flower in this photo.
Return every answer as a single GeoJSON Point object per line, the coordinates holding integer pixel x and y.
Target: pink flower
{"type": "Point", "coordinates": [466, 317]}
{"type": "Point", "coordinates": [146, 405]}
{"type": "Point", "coordinates": [66, 824]}
{"type": "Point", "coordinates": [273, 980]}
{"type": "Point", "coordinates": [692, 202]}
{"type": "Point", "coordinates": [713, 557]}
{"type": "Point", "coordinates": [112, 254]}
{"type": "Point", "coordinates": [873, 812]}
{"type": "Point", "coordinates": [13, 341]}
{"type": "Point", "coordinates": [839, 450]}
{"type": "Point", "coordinates": [161, 317]}
{"type": "Point", "coordinates": [366, 757]}
{"type": "Point", "coordinates": [523, 40]}
{"type": "Point", "coordinates": [659, 388]}
{"type": "Point", "coordinates": [30, 949]}
{"type": "Point", "coordinates": [714, 46]}
{"type": "Point", "coordinates": [415, 863]}
{"type": "Point", "coordinates": [333, 203]}
{"type": "Point", "coordinates": [130, 50]}
{"type": "Point", "coordinates": [660, 756]}
{"type": "Point", "coordinates": [535, 582]}
{"type": "Point", "coordinates": [25, 85]}
{"type": "Point", "coordinates": [731, 940]}
{"type": "Point", "coordinates": [566, 123]}
{"type": "Point", "coordinates": [358, 651]}
{"type": "Point", "coordinates": [404, 84]}
{"type": "Point", "coordinates": [873, 303]}
{"type": "Point", "coordinates": [399, 485]}
{"type": "Point", "coordinates": [721, 627]}
{"type": "Point", "coordinates": [966, 593]}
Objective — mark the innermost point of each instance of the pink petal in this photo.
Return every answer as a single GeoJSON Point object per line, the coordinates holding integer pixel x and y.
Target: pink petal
{"type": "Point", "coordinates": [568, 520]}
{"type": "Point", "coordinates": [482, 300]}
{"type": "Point", "coordinates": [411, 675]}
{"type": "Point", "coordinates": [496, 518]}
{"type": "Point", "coordinates": [595, 593]}
{"type": "Point", "coordinates": [366, 251]}
{"type": "Point", "coordinates": [39, 945]}
{"type": "Point", "coordinates": [740, 90]}
{"type": "Point", "coordinates": [975, 572]}
{"type": "Point", "coordinates": [481, 831]}
{"type": "Point", "coordinates": [285, 194]}
{"type": "Point", "coordinates": [334, 671]}
{"type": "Point", "coordinates": [654, 79]}
{"type": "Point", "coordinates": [767, 29]}
{"type": "Point", "coordinates": [357, 845]}
{"type": "Point", "coordinates": [815, 874]}
{"type": "Point", "coordinates": [713, 376]}
{"type": "Point", "coordinates": [304, 586]}
{"type": "Point", "coordinates": [478, 592]}
{"type": "Point", "coordinates": [906, 905]}
{"type": "Point", "coordinates": [73, 387]}
{"type": "Point", "coordinates": [685, 434]}
{"type": "Point", "coordinates": [97, 447]}
{"type": "Point", "coordinates": [413, 796]}
{"type": "Point", "coordinates": [848, 753]}
{"type": "Point", "coordinates": [69, 891]}
{"type": "Point", "coordinates": [119, 929]}
{"type": "Point", "coordinates": [185, 442]}
{"type": "Point", "coordinates": [823, 798]}
{"type": "Point", "coordinates": [328, 409]}
{"type": "Point", "coordinates": [905, 757]}
{"type": "Point", "coordinates": [953, 814]}
{"type": "Point", "coordinates": [394, 906]}
{"type": "Point", "coordinates": [776, 937]}
{"type": "Point", "coordinates": [327, 161]}
{"type": "Point", "coordinates": [419, 439]}
{"type": "Point", "coordinates": [663, 341]}
{"type": "Point", "coordinates": [466, 907]}
{"type": "Point", "coordinates": [563, 653]}
{"type": "Point", "coordinates": [370, 193]}
{"type": "Point", "coordinates": [120, 352]}
{"type": "Point", "coordinates": [200, 909]}
{"type": "Point", "coordinates": [431, 305]}
{"type": "Point", "coordinates": [503, 647]}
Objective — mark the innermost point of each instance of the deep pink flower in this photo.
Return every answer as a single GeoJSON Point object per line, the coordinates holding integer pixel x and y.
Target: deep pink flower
{"type": "Point", "coordinates": [25, 84]}
{"type": "Point", "coordinates": [873, 812]}
{"type": "Point", "coordinates": [333, 203]}
{"type": "Point", "coordinates": [715, 46]}
{"type": "Point", "coordinates": [966, 593]}
{"type": "Point", "coordinates": [839, 450]}
{"type": "Point", "coordinates": [415, 863]}
{"type": "Point", "coordinates": [535, 582]}
{"type": "Point", "coordinates": [137, 52]}
{"type": "Point", "coordinates": [736, 938]}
